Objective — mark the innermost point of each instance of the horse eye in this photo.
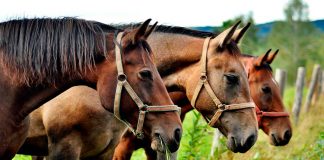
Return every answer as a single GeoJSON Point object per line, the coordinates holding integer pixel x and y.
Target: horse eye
{"type": "Point", "coordinates": [145, 74]}
{"type": "Point", "coordinates": [266, 89]}
{"type": "Point", "coordinates": [232, 78]}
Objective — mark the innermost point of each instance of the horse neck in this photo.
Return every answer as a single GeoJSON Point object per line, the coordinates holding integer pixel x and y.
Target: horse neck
{"type": "Point", "coordinates": [176, 55]}
{"type": "Point", "coordinates": [20, 100]}
{"type": "Point", "coordinates": [174, 51]}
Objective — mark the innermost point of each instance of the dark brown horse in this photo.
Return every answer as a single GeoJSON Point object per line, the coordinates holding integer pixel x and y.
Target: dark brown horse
{"type": "Point", "coordinates": [41, 58]}
{"type": "Point", "coordinates": [272, 117]}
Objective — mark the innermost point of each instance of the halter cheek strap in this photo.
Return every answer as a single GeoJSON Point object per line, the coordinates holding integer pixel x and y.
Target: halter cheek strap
{"type": "Point", "coordinates": [143, 108]}
{"type": "Point", "coordinates": [203, 82]}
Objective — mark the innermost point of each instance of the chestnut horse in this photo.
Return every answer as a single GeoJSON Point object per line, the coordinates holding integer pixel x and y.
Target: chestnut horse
{"type": "Point", "coordinates": [40, 58]}
{"type": "Point", "coordinates": [271, 114]}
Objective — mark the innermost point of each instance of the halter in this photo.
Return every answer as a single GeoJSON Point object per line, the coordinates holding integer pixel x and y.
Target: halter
{"type": "Point", "coordinates": [143, 108]}
{"type": "Point", "coordinates": [260, 114]}
{"type": "Point", "coordinates": [220, 107]}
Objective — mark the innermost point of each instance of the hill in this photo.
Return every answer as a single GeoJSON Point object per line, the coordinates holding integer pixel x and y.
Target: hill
{"type": "Point", "coordinates": [263, 29]}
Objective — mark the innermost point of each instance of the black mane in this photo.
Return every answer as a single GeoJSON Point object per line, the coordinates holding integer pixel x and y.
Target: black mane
{"type": "Point", "coordinates": [40, 50]}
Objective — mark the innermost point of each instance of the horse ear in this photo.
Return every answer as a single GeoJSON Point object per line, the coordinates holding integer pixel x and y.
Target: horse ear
{"type": "Point", "coordinates": [224, 38]}
{"type": "Point", "coordinates": [141, 30]}
{"type": "Point", "coordinates": [272, 56]}
{"type": "Point", "coordinates": [261, 59]}
{"type": "Point", "coordinates": [150, 30]}
{"type": "Point", "coordinates": [238, 34]}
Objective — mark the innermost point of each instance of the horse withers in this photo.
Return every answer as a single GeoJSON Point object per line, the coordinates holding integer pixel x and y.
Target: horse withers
{"type": "Point", "coordinates": [40, 58]}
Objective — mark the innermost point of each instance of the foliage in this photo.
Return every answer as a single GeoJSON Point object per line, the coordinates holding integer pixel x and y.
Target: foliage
{"type": "Point", "coordinates": [251, 41]}
{"type": "Point", "coordinates": [194, 135]}
{"type": "Point", "coordinates": [297, 38]}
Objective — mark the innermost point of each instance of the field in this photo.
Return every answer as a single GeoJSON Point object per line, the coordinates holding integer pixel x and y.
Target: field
{"type": "Point", "coordinates": [307, 141]}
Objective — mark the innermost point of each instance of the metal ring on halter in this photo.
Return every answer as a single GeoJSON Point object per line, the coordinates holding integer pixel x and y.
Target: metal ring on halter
{"type": "Point", "coordinates": [122, 77]}
{"type": "Point", "coordinates": [143, 108]}
{"type": "Point", "coordinates": [203, 78]}
{"type": "Point", "coordinates": [221, 107]}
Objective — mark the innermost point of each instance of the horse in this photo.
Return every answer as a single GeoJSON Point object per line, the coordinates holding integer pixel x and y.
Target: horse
{"type": "Point", "coordinates": [181, 71]}
{"type": "Point", "coordinates": [271, 114]}
{"type": "Point", "coordinates": [83, 128]}
{"type": "Point", "coordinates": [42, 57]}
{"type": "Point", "coordinates": [272, 118]}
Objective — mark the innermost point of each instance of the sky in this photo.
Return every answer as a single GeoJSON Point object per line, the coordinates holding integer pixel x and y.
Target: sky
{"type": "Point", "coordinates": [169, 12]}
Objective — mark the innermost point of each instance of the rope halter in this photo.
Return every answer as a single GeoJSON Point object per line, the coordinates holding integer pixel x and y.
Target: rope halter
{"type": "Point", "coordinates": [143, 108]}
{"type": "Point", "coordinates": [203, 81]}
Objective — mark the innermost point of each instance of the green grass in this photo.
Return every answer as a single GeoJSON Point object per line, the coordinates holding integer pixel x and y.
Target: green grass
{"type": "Point", "coordinates": [307, 141]}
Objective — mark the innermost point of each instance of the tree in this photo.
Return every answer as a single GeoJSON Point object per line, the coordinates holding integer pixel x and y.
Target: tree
{"type": "Point", "coordinates": [297, 39]}
{"type": "Point", "coordinates": [249, 44]}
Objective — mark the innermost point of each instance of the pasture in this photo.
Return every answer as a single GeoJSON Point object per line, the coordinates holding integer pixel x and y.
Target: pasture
{"type": "Point", "coordinates": [307, 141]}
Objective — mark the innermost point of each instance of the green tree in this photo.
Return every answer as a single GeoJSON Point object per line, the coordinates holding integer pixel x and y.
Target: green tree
{"type": "Point", "coordinates": [250, 42]}
{"type": "Point", "coordinates": [297, 39]}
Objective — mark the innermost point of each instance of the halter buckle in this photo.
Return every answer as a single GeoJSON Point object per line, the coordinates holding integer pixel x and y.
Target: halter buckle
{"type": "Point", "coordinates": [121, 77]}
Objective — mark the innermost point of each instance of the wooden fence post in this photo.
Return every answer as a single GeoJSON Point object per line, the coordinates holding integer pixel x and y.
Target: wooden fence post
{"type": "Point", "coordinates": [322, 91]}
{"type": "Point", "coordinates": [312, 87]}
{"type": "Point", "coordinates": [318, 88]}
{"type": "Point", "coordinates": [299, 93]}
{"type": "Point", "coordinates": [215, 143]}
{"type": "Point", "coordinates": [281, 79]}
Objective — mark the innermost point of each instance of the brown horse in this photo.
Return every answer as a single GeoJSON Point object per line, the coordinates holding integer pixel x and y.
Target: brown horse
{"type": "Point", "coordinates": [181, 71]}
{"type": "Point", "coordinates": [73, 125]}
{"type": "Point", "coordinates": [272, 118]}
{"type": "Point", "coordinates": [41, 58]}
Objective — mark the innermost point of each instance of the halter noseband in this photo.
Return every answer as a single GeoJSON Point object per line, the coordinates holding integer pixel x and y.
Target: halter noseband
{"type": "Point", "coordinates": [260, 114]}
{"type": "Point", "coordinates": [143, 108]}
{"type": "Point", "coordinates": [221, 107]}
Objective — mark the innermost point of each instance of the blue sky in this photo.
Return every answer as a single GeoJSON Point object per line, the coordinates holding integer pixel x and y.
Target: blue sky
{"type": "Point", "coordinates": [170, 12]}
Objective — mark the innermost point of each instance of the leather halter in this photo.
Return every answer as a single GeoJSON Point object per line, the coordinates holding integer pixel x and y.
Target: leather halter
{"type": "Point", "coordinates": [260, 114]}
{"type": "Point", "coordinates": [143, 108]}
{"type": "Point", "coordinates": [220, 107]}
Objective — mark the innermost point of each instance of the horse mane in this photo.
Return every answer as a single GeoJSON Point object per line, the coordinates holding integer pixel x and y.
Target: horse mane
{"type": "Point", "coordinates": [39, 50]}
{"type": "Point", "coordinates": [171, 29]}
{"type": "Point", "coordinates": [232, 46]}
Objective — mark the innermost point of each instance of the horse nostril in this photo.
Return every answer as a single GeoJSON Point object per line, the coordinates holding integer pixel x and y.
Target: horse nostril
{"type": "Point", "coordinates": [250, 140]}
{"type": "Point", "coordinates": [287, 135]}
{"type": "Point", "coordinates": [177, 135]}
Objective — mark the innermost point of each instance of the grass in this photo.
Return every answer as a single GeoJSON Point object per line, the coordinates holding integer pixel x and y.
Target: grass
{"type": "Point", "coordinates": [307, 141]}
